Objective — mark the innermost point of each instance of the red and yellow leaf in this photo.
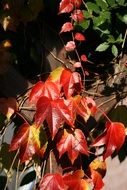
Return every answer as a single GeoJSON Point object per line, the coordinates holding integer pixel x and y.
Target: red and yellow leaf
{"type": "Point", "coordinates": [113, 138]}
{"type": "Point", "coordinates": [48, 89]}
{"type": "Point", "coordinates": [55, 112]}
{"type": "Point", "coordinates": [52, 182]}
{"type": "Point", "coordinates": [8, 106]}
{"type": "Point", "coordinates": [75, 181]}
{"type": "Point", "coordinates": [55, 75]}
{"type": "Point", "coordinates": [71, 82]}
{"type": "Point", "coordinates": [73, 143]}
{"type": "Point", "coordinates": [27, 139]}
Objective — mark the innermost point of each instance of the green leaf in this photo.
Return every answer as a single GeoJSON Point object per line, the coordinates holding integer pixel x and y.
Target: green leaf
{"type": "Point", "coordinates": [83, 25]}
{"type": "Point", "coordinates": [114, 50]}
{"type": "Point", "coordinates": [97, 21]}
{"type": "Point", "coordinates": [102, 3]}
{"type": "Point", "coordinates": [112, 3]}
{"type": "Point", "coordinates": [120, 2]}
{"type": "Point", "coordinates": [86, 14]}
{"type": "Point", "coordinates": [102, 47]}
{"type": "Point", "coordinates": [93, 7]}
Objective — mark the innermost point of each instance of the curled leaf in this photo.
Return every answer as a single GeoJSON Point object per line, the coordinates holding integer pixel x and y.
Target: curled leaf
{"type": "Point", "coordinates": [67, 27]}
{"type": "Point", "coordinates": [70, 46]}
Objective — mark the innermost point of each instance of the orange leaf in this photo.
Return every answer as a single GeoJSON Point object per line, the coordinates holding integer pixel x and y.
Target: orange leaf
{"type": "Point", "coordinates": [27, 139]}
{"type": "Point", "coordinates": [113, 138]}
{"type": "Point", "coordinates": [99, 166]}
{"type": "Point", "coordinates": [8, 106]}
{"type": "Point", "coordinates": [75, 181]}
{"type": "Point", "coordinates": [55, 112]}
{"type": "Point", "coordinates": [73, 143]}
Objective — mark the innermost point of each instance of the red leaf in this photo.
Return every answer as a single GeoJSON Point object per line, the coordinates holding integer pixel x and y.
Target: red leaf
{"type": "Point", "coordinates": [75, 181]}
{"type": "Point", "coordinates": [48, 89]}
{"type": "Point", "coordinates": [67, 27]}
{"type": "Point", "coordinates": [97, 180]}
{"type": "Point", "coordinates": [55, 112]}
{"type": "Point", "coordinates": [90, 103]}
{"type": "Point", "coordinates": [8, 106]}
{"type": "Point", "coordinates": [80, 37]}
{"type": "Point", "coordinates": [79, 106]}
{"type": "Point", "coordinates": [65, 6]}
{"type": "Point", "coordinates": [76, 3]}
{"type": "Point", "coordinates": [71, 82]}
{"type": "Point", "coordinates": [113, 138]}
{"type": "Point", "coordinates": [70, 46]}
{"type": "Point", "coordinates": [83, 58]}
{"type": "Point", "coordinates": [77, 15]}
{"type": "Point", "coordinates": [72, 143]}
{"type": "Point", "coordinates": [27, 139]}
{"type": "Point", "coordinates": [52, 182]}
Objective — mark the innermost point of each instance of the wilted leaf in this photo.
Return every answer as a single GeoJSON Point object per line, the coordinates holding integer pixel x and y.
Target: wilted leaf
{"type": "Point", "coordinates": [71, 82]}
{"type": "Point", "coordinates": [70, 46]}
{"type": "Point", "coordinates": [75, 181]}
{"type": "Point", "coordinates": [8, 106]}
{"type": "Point", "coordinates": [27, 139]}
{"type": "Point", "coordinates": [73, 143]}
{"type": "Point", "coordinates": [52, 182]}
{"type": "Point", "coordinates": [55, 112]}
{"type": "Point", "coordinates": [113, 138]}
{"type": "Point", "coordinates": [67, 27]}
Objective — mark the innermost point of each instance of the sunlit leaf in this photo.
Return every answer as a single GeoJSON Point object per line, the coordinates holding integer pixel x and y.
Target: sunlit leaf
{"type": "Point", "coordinates": [113, 138]}
{"type": "Point", "coordinates": [71, 82]}
{"type": "Point", "coordinates": [48, 89]}
{"type": "Point", "coordinates": [55, 112]}
{"type": "Point", "coordinates": [52, 182]}
{"type": "Point", "coordinates": [73, 143]}
{"type": "Point", "coordinates": [75, 181]}
{"type": "Point", "coordinates": [27, 139]}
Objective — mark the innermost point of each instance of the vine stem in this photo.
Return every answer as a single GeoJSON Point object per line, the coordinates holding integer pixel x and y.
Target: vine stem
{"type": "Point", "coordinates": [11, 168]}
{"type": "Point", "coordinates": [104, 114]}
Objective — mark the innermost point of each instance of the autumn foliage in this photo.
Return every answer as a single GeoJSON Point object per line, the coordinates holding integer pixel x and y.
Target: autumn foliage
{"type": "Point", "coordinates": [61, 114]}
